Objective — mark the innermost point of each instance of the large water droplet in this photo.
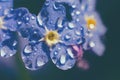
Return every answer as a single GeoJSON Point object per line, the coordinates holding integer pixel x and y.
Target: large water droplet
{"type": "Point", "coordinates": [41, 60]}
{"type": "Point", "coordinates": [69, 51]}
{"type": "Point", "coordinates": [60, 23]}
{"type": "Point", "coordinates": [28, 49]}
{"type": "Point", "coordinates": [63, 59]}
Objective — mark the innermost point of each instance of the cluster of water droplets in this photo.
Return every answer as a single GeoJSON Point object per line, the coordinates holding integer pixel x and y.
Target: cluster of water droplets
{"type": "Point", "coordinates": [73, 34]}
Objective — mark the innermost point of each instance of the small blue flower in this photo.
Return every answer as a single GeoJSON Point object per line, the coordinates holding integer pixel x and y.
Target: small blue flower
{"type": "Point", "coordinates": [54, 42]}
{"type": "Point", "coordinates": [93, 27]}
{"type": "Point", "coordinates": [8, 40]}
{"type": "Point", "coordinates": [60, 48]}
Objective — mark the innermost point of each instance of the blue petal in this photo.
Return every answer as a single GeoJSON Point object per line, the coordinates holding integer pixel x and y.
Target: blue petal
{"type": "Point", "coordinates": [62, 57]}
{"type": "Point", "coordinates": [34, 56]}
{"type": "Point", "coordinates": [88, 5]}
{"type": "Point", "coordinates": [50, 13]}
{"type": "Point", "coordinates": [30, 29]}
{"type": "Point", "coordinates": [99, 47]}
{"type": "Point", "coordinates": [8, 44]}
{"type": "Point", "coordinates": [72, 34]}
{"type": "Point", "coordinates": [15, 18]}
{"type": "Point", "coordinates": [95, 44]}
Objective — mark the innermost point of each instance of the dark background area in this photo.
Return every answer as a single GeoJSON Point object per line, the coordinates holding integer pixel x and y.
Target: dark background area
{"type": "Point", "coordinates": [106, 67]}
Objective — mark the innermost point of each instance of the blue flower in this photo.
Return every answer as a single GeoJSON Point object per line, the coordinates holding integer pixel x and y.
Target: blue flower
{"type": "Point", "coordinates": [8, 39]}
{"type": "Point", "coordinates": [54, 41]}
{"type": "Point", "coordinates": [51, 35]}
{"type": "Point", "coordinates": [93, 27]}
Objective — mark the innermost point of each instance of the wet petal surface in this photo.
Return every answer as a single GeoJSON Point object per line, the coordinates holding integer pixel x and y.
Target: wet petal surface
{"type": "Point", "coordinates": [34, 56]}
{"type": "Point", "coordinates": [8, 44]}
{"type": "Point", "coordinates": [63, 57]}
{"type": "Point", "coordinates": [72, 34]}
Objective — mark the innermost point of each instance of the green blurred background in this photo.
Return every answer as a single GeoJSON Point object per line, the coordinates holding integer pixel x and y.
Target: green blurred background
{"type": "Point", "coordinates": [106, 67]}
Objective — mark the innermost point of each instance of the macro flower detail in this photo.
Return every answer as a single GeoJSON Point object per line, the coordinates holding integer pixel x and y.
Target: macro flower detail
{"type": "Point", "coordinates": [60, 32]}
{"type": "Point", "coordinates": [55, 40]}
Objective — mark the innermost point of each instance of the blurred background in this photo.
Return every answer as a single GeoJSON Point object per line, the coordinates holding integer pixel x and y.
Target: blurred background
{"type": "Point", "coordinates": [106, 67]}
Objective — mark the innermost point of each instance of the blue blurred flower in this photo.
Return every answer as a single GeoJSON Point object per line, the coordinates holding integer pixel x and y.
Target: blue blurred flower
{"type": "Point", "coordinates": [93, 27]}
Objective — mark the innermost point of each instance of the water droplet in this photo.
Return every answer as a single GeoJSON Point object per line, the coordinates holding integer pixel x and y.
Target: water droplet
{"type": "Point", "coordinates": [92, 44]}
{"type": "Point", "coordinates": [28, 49]}
{"type": "Point", "coordinates": [77, 33]}
{"type": "Point", "coordinates": [73, 6]}
{"type": "Point", "coordinates": [14, 43]}
{"type": "Point", "coordinates": [27, 19]}
{"type": "Point", "coordinates": [71, 25]}
{"type": "Point", "coordinates": [40, 20]}
{"type": "Point", "coordinates": [63, 59]}
{"type": "Point", "coordinates": [60, 23]}
{"type": "Point", "coordinates": [41, 61]}
{"type": "Point", "coordinates": [77, 12]}
{"type": "Point", "coordinates": [69, 51]}
{"type": "Point", "coordinates": [6, 11]}
{"type": "Point", "coordinates": [67, 37]}
{"type": "Point", "coordinates": [55, 52]}
{"type": "Point", "coordinates": [33, 17]}
{"type": "Point", "coordinates": [19, 23]}
{"type": "Point", "coordinates": [59, 48]}
{"type": "Point", "coordinates": [72, 14]}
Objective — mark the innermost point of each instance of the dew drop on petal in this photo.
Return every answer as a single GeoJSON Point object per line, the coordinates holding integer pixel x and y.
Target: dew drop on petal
{"type": "Point", "coordinates": [71, 25]}
{"type": "Point", "coordinates": [67, 37]}
{"type": "Point", "coordinates": [28, 49]}
{"type": "Point", "coordinates": [40, 61]}
{"type": "Point", "coordinates": [78, 33]}
{"type": "Point", "coordinates": [91, 44]}
{"type": "Point", "coordinates": [63, 59]}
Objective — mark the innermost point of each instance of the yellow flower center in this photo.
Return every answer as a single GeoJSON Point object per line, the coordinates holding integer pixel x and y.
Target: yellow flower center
{"type": "Point", "coordinates": [51, 37]}
{"type": "Point", "coordinates": [91, 23]}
